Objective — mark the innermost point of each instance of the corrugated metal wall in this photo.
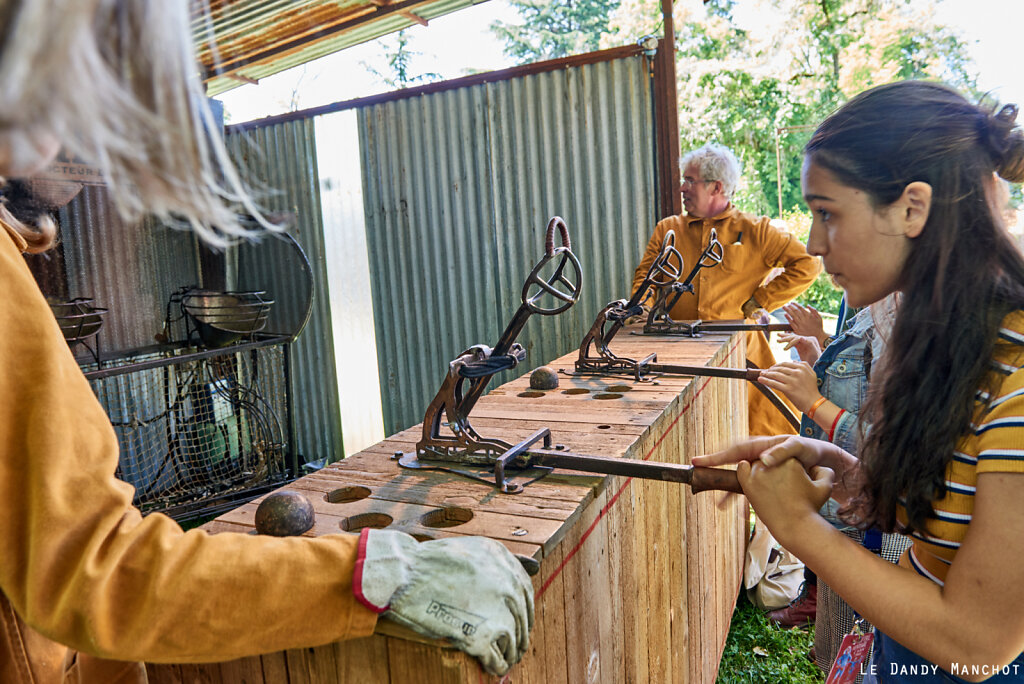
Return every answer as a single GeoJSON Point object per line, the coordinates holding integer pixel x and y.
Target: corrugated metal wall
{"type": "Point", "coordinates": [131, 270]}
{"type": "Point", "coordinates": [283, 157]}
{"type": "Point", "coordinates": [459, 186]}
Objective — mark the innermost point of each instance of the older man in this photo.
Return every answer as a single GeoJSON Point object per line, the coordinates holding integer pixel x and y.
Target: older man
{"type": "Point", "coordinates": [752, 247]}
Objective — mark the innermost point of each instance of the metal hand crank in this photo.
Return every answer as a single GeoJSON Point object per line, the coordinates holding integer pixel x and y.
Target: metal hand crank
{"type": "Point", "coordinates": [477, 364]}
{"type": "Point", "coordinates": [668, 294]}
{"type": "Point", "coordinates": [665, 270]}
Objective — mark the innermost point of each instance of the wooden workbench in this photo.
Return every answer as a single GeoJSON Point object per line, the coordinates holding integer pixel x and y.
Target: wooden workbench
{"type": "Point", "coordinates": [638, 578]}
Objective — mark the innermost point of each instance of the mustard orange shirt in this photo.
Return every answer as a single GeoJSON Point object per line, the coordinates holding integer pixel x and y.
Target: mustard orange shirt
{"type": "Point", "coordinates": [81, 566]}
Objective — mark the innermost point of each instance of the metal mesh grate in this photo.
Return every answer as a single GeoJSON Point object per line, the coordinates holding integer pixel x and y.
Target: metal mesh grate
{"type": "Point", "coordinates": [198, 431]}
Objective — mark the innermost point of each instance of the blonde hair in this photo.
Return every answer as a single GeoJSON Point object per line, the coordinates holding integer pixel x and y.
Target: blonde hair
{"type": "Point", "coordinates": [39, 237]}
{"type": "Point", "coordinates": [115, 81]}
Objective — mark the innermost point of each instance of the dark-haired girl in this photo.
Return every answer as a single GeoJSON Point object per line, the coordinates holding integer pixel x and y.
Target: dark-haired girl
{"type": "Point", "coordinates": [900, 181]}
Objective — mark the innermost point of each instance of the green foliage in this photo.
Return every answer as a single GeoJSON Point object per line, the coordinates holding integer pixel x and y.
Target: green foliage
{"type": "Point", "coordinates": [400, 58]}
{"type": "Point", "coordinates": [758, 651]}
{"type": "Point", "coordinates": [749, 90]}
{"type": "Point", "coordinates": [554, 29]}
{"type": "Point", "coordinates": [823, 295]}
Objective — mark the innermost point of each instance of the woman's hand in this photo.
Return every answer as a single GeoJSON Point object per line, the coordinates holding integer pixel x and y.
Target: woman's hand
{"type": "Point", "coordinates": [796, 380]}
{"type": "Point", "coordinates": [807, 347]}
{"type": "Point", "coordinates": [786, 495]}
{"type": "Point", "coordinates": [771, 450]}
{"type": "Point", "coordinates": [805, 320]}
{"type": "Point", "coordinates": [774, 451]}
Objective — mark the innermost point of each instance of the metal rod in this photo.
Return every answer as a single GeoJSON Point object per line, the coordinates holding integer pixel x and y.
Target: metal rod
{"type": "Point", "coordinates": [521, 455]}
{"type": "Point", "coordinates": [171, 360]}
{"type": "Point", "coordinates": [751, 374]}
{"type": "Point", "coordinates": [699, 479]}
{"type": "Point", "coordinates": [701, 327]}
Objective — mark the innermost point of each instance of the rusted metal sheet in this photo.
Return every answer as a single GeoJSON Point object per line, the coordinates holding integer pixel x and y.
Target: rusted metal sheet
{"type": "Point", "coordinates": [459, 188]}
{"type": "Point", "coordinates": [240, 41]}
{"type": "Point", "coordinates": [283, 159]}
{"type": "Point", "coordinates": [129, 269]}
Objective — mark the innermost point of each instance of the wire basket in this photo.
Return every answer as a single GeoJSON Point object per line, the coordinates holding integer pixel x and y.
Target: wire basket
{"type": "Point", "coordinates": [223, 318]}
{"type": "Point", "coordinates": [80, 321]}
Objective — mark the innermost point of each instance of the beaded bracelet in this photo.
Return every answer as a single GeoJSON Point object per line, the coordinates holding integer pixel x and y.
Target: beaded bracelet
{"type": "Point", "coordinates": [815, 406]}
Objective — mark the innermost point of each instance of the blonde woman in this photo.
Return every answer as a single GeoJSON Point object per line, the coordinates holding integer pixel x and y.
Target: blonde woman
{"type": "Point", "coordinates": [88, 586]}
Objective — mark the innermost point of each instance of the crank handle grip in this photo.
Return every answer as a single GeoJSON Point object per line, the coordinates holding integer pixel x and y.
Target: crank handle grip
{"type": "Point", "coordinates": [549, 242]}
{"type": "Point", "coordinates": [715, 478]}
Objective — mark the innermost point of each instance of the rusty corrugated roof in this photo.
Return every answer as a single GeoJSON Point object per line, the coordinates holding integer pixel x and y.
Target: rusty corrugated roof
{"type": "Point", "coordinates": [241, 41]}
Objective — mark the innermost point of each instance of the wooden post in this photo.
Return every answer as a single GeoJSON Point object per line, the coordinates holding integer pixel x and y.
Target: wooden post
{"type": "Point", "coordinates": [667, 119]}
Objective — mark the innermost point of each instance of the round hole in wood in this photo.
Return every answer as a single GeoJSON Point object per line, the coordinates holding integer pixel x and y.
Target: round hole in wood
{"type": "Point", "coordinates": [346, 494]}
{"type": "Point", "coordinates": [576, 390]}
{"type": "Point", "coordinates": [446, 517]}
{"type": "Point", "coordinates": [377, 521]}
{"type": "Point", "coordinates": [531, 394]}
{"type": "Point", "coordinates": [604, 427]}
{"type": "Point", "coordinates": [618, 388]}
{"type": "Point", "coordinates": [608, 395]}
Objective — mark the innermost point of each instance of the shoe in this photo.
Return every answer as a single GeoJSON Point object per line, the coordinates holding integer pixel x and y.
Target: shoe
{"type": "Point", "coordinates": [800, 611]}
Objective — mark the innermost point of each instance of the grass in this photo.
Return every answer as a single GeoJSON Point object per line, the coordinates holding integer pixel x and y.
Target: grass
{"type": "Point", "coordinates": [758, 651]}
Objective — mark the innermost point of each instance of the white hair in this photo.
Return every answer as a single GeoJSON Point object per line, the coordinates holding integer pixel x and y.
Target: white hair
{"type": "Point", "coordinates": [715, 162]}
{"type": "Point", "coordinates": [115, 82]}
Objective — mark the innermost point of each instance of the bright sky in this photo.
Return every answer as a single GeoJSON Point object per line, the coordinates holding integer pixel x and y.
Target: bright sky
{"type": "Point", "coordinates": [460, 42]}
{"type": "Point", "coordinates": [992, 30]}
{"type": "Point", "coordinates": [454, 45]}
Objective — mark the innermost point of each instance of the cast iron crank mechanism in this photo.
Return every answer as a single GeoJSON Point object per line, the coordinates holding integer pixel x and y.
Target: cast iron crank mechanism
{"type": "Point", "coordinates": [665, 269]}
{"type": "Point", "coordinates": [667, 294]}
{"type": "Point", "coordinates": [660, 322]}
{"type": "Point", "coordinates": [468, 454]}
{"type": "Point", "coordinates": [477, 364]}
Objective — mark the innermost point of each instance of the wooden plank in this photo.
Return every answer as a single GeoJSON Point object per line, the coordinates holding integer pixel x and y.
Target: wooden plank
{"type": "Point", "coordinates": [549, 647]}
{"type": "Point", "coordinates": [164, 674]}
{"type": "Point", "coordinates": [585, 586]}
{"type": "Point", "coordinates": [362, 661]}
{"type": "Point", "coordinates": [416, 520]}
{"type": "Point", "coordinates": [201, 674]}
{"type": "Point", "coordinates": [242, 671]}
{"type": "Point", "coordinates": [409, 661]}
{"type": "Point", "coordinates": [275, 667]}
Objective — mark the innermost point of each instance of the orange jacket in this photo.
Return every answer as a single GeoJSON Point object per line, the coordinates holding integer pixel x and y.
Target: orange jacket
{"type": "Point", "coordinates": [752, 248]}
{"type": "Point", "coordinates": [81, 566]}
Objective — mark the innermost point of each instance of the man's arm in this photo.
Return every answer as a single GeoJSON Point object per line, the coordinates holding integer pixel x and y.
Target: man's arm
{"type": "Point", "coordinates": [800, 268]}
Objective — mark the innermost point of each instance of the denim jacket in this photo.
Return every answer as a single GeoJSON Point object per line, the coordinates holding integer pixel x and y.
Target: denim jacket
{"type": "Point", "coordinates": [842, 379]}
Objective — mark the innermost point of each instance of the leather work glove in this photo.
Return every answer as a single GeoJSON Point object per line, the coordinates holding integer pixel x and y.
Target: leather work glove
{"type": "Point", "coordinates": [469, 590]}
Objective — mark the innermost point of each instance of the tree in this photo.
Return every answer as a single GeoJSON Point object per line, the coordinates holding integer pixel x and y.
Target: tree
{"type": "Point", "coordinates": [554, 29]}
{"type": "Point", "coordinates": [399, 60]}
{"type": "Point", "coordinates": [758, 74]}
{"type": "Point", "coordinates": [806, 57]}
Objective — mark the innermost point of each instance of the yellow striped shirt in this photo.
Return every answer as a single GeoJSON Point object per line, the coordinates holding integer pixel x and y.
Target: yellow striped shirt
{"type": "Point", "coordinates": [995, 444]}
